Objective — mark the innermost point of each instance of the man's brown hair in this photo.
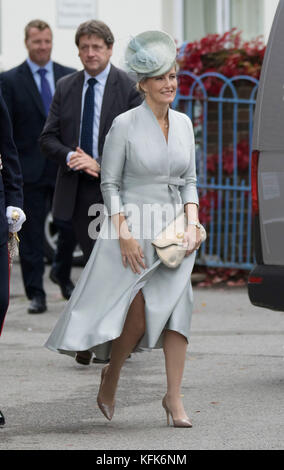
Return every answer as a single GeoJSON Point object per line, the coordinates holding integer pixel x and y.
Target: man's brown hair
{"type": "Point", "coordinates": [39, 24]}
{"type": "Point", "coordinates": [96, 27]}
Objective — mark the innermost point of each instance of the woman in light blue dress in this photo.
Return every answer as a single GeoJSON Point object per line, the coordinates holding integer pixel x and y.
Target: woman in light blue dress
{"type": "Point", "coordinates": [126, 299]}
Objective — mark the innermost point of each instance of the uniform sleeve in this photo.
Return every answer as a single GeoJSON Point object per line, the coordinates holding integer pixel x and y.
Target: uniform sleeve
{"type": "Point", "coordinates": [189, 191]}
{"type": "Point", "coordinates": [11, 173]}
{"type": "Point", "coordinates": [113, 160]}
{"type": "Point", "coordinates": [7, 94]}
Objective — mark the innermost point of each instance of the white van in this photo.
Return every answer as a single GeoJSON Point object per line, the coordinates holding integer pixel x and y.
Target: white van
{"type": "Point", "coordinates": [266, 281]}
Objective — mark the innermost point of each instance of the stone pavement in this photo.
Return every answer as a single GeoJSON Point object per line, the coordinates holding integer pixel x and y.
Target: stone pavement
{"type": "Point", "coordinates": [233, 384]}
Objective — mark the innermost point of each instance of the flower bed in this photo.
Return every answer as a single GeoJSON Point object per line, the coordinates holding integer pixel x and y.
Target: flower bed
{"type": "Point", "coordinates": [219, 277]}
{"type": "Point", "coordinates": [226, 54]}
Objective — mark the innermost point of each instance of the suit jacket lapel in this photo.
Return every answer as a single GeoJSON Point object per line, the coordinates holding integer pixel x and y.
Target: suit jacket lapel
{"type": "Point", "coordinates": [76, 96]}
{"type": "Point", "coordinates": [108, 98]}
{"type": "Point", "coordinates": [56, 72]}
{"type": "Point", "coordinates": [29, 83]}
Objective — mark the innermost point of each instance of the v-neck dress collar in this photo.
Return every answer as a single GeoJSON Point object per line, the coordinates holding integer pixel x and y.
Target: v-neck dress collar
{"type": "Point", "coordinates": [151, 113]}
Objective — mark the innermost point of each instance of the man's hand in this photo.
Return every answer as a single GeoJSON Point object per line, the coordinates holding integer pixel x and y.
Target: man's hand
{"type": "Point", "coordinates": [82, 161]}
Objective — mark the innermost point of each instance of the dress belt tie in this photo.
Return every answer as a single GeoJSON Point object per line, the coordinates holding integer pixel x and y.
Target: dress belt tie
{"type": "Point", "coordinates": [173, 183]}
{"type": "Point", "coordinates": [169, 180]}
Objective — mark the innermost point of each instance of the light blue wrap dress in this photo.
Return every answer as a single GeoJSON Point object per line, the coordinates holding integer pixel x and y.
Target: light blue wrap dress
{"type": "Point", "coordinates": [149, 180]}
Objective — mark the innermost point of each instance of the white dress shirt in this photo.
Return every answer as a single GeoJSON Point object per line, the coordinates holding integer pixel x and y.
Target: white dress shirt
{"type": "Point", "coordinates": [49, 75]}
{"type": "Point", "coordinates": [99, 89]}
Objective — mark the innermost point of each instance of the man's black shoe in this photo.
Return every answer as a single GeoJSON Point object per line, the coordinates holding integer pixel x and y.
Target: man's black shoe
{"type": "Point", "coordinates": [37, 305]}
{"type": "Point", "coordinates": [2, 419]}
{"type": "Point", "coordinates": [83, 357]}
{"type": "Point", "coordinates": [66, 287]}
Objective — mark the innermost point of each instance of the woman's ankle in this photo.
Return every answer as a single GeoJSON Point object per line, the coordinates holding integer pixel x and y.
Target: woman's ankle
{"type": "Point", "coordinates": [113, 372]}
{"type": "Point", "coordinates": [173, 396]}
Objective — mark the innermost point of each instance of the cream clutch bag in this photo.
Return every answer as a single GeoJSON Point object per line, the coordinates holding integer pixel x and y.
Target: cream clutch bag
{"type": "Point", "coordinates": [169, 243]}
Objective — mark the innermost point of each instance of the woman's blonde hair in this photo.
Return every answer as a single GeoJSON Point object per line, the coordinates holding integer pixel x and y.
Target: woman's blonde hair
{"type": "Point", "coordinates": [139, 88]}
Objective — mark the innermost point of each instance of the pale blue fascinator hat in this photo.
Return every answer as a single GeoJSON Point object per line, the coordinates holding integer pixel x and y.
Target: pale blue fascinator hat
{"type": "Point", "coordinates": [150, 54]}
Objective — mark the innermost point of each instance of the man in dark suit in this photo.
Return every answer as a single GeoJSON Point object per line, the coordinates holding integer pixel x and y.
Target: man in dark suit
{"type": "Point", "coordinates": [83, 108]}
{"type": "Point", "coordinates": [11, 202]}
{"type": "Point", "coordinates": [28, 90]}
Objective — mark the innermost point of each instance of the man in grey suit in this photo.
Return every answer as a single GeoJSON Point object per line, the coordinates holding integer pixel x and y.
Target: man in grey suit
{"type": "Point", "coordinates": [83, 108]}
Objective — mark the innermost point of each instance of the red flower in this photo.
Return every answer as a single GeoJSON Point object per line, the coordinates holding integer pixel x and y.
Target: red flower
{"type": "Point", "coordinates": [205, 203]}
{"type": "Point", "coordinates": [228, 159]}
{"type": "Point", "coordinates": [227, 54]}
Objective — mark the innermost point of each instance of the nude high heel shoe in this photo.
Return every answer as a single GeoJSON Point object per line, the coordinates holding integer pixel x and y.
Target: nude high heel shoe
{"type": "Point", "coordinates": [107, 410]}
{"type": "Point", "coordinates": [178, 423]}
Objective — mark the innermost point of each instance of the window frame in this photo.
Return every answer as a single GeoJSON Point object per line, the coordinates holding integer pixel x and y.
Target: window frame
{"type": "Point", "coordinates": [223, 16]}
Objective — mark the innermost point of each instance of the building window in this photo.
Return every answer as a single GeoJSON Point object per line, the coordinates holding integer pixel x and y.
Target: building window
{"type": "Point", "coordinates": [248, 17]}
{"type": "Point", "coordinates": [200, 18]}
{"type": "Point", "coordinates": [204, 17]}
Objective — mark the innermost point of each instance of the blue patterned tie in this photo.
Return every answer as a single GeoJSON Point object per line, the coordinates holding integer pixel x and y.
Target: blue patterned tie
{"type": "Point", "coordinates": [88, 118]}
{"type": "Point", "coordinates": [46, 94]}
